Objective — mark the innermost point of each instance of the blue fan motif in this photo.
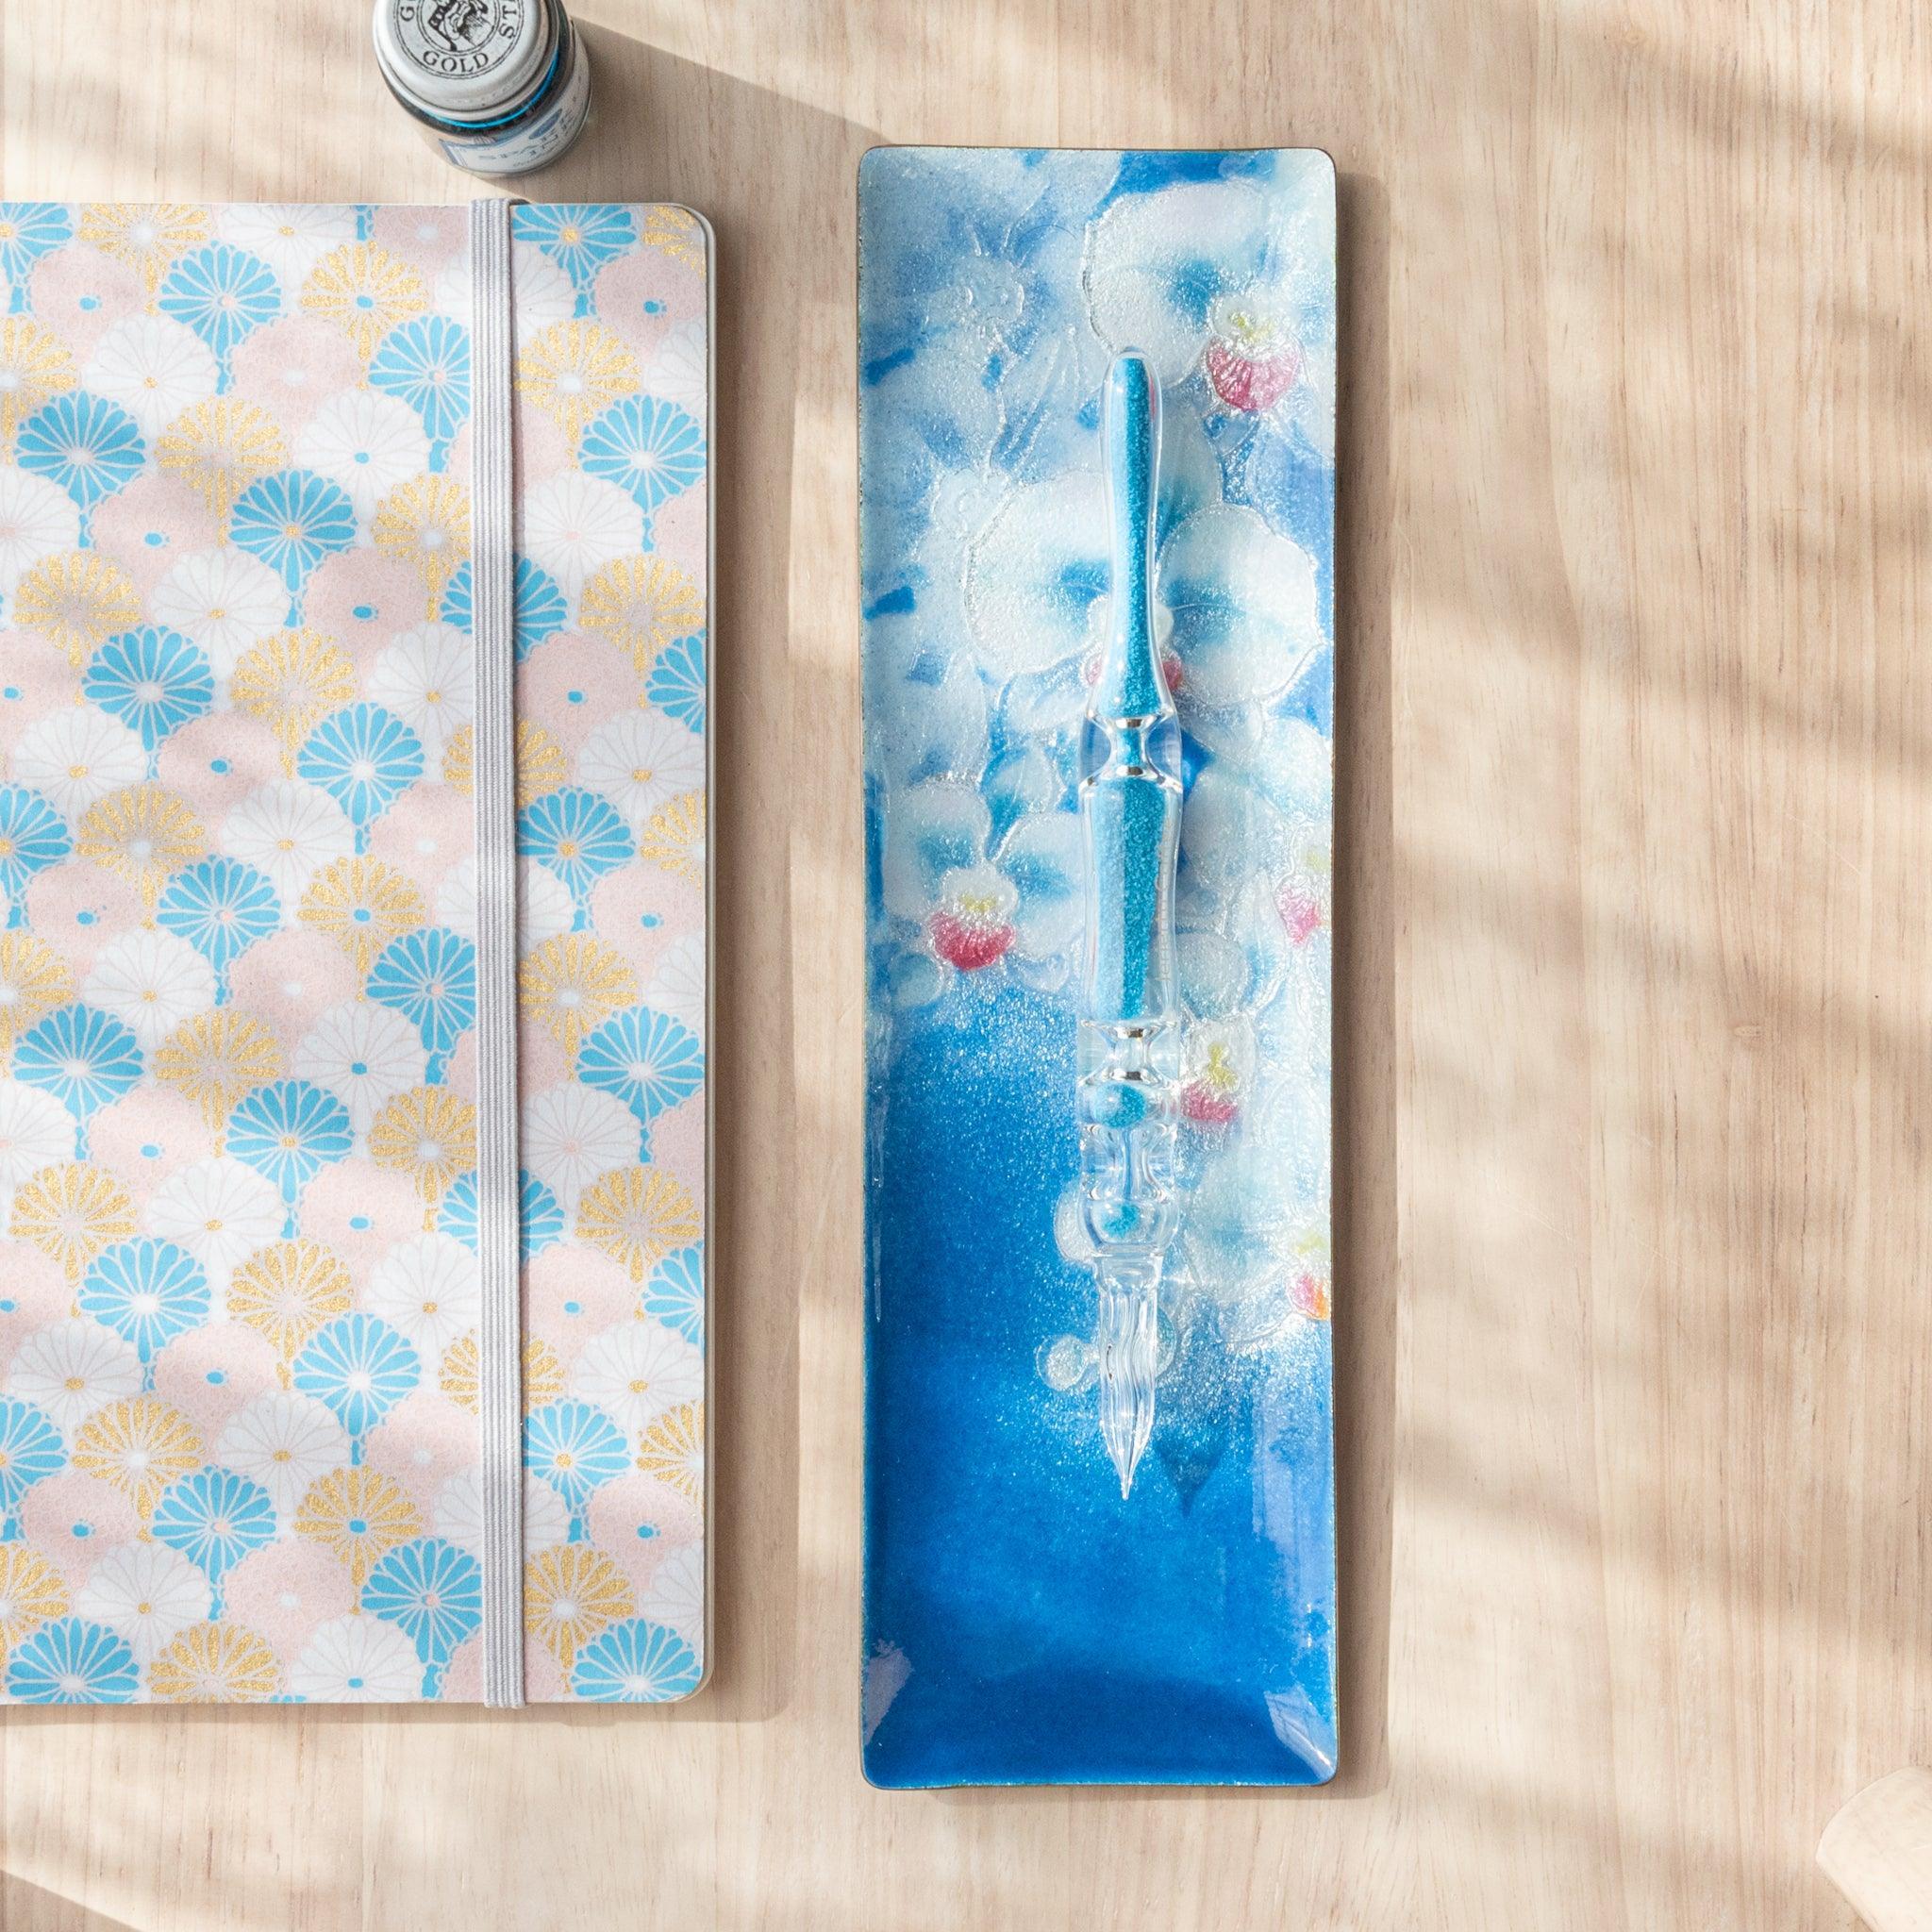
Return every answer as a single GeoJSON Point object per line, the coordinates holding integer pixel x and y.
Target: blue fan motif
{"type": "Point", "coordinates": [579, 836]}
{"type": "Point", "coordinates": [365, 758]}
{"type": "Point", "coordinates": [676, 683]}
{"type": "Point", "coordinates": [577, 1449]}
{"type": "Point", "coordinates": [33, 836]}
{"type": "Point", "coordinates": [214, 1518]}
{"type": "Point", "coordinates": [288, 1132]}
{"type": "Point", "coordinates": [291, 521]}
{"type": "Point", "coordinates": [430, 976]}
{"type": "Point", "coordinates": [361, 1367]}
{"type": "Point", "coordinates": [425, 363]}
{"type": "Point", "coordinates": [147, 1291]}
{"type": "Point", "coordinates": [28, 229]}
{"type": "Point", "coordinates": [542, 607]}
{"type": "Point", "coordinates": [647, 446]}
{"type": "Point", "coordinates": [31, 1450]}
{"type": "Point", "coordinates": [72, 1661]}
{"type": "Point", "coordinates": [221, 906]}
{"type": "Point", "coordinates": [432, 1592]}
{"type": "Point", "coordinates": [540, 1214]}
{"type": "Point", "coordinates": [675, 1293]}
{"type": "Point", "coordinates": [578, 239]}
{"type": "Point", "coordinates": [222, 294]}
{"type": "Point", "coordinates": [636, 1661]}
{"type": "Point", "coordinates": [645, 1058]}
{"type": "Point", "coordinates": [84, 1058]}
{"type": "Point", "coordinates": [154, 680]}
{"type": "Point", "coordinates": [87, 445]}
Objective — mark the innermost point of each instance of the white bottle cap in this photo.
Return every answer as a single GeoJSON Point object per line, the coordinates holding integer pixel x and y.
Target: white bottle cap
{"type": "Point", "coordinates": [464, 60]}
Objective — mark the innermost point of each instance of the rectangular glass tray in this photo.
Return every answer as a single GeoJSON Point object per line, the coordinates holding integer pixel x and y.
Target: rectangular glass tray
{"type": "Point", "coordinates": [1025, 1624]}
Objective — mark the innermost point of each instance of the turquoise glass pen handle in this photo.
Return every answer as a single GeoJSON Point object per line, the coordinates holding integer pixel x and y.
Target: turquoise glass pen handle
{"type": "Point", "coordinates": [1130, 790]}
{"type": "Point", "coordinates": [1130, 805]}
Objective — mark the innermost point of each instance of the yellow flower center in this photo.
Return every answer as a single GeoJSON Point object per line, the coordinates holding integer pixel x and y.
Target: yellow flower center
{"type": "Point", "coordinates": [1220, 1071]}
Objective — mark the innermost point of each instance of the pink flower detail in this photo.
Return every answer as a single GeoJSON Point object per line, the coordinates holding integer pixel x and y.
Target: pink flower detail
{"type": "Point", "coordinates": [677, 1143]}
{"type": "Point", "coordinates": [1251, 361]}
{"type": "Point", "coordinates": [1210, 1098]}
{"type": "Point", "coordinates": [151, 1117]}
{"type": "Point", "coordinates": [151, 525]}
{"type": "Point", "coordinates": [40, 1296]}
{"type": "Point", "coordinates": [44, 680]}
{"type": "Point", "coordinates": [973, 924]}
{"type": "Point", "coordinates": [629, 287]}
{"type": "Point", "coordinates": [1252, 383]}
{"type": "Point", "coordinates": [79, 907]}
{"type": "Point", "coordinates": [1300, 909]}
{"type": "Point", "coordinates": [361, 601]}
{"type": "Point", "coordinates": [425, 238]}
{"type": "Point", "coordinates": [80, 294]}
{"type": "Point", "coordinates": [293, 366]}
{"type": "Point", "coordinates": [360, 1211]}
{"type": "Point", "coordinates": [215, 762]}
{"type": "Point", "coordinates": [572, 684]}
{"type": "Point", "coordinates": [421, 1444]}
{"type": "Point", "coordinates": [286, 980]}
{"type": "Point", "coordinates": [1309, 1293]}
{"type": "Point", "coordinates": [623, 902]}
{"type": "Point", "coordinates": [73, 1521]}
{"type": "Point", "coordinates": [575, 1275]}
{"type": "Point", "coordinates": [680, 531]}
{"type": "Point", "coordinates": [288, 1591]}
{"type": "Point", "coordinates": [430, 828]}
{"type": "Point", "coordinates": [211, 1374]}
{"type": "Point", "coordinates": [636, 1502]}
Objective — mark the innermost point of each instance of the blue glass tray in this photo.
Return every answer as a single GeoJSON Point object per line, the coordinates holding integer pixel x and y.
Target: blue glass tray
{"type": "Point", "coordinates": [1025, 1624]}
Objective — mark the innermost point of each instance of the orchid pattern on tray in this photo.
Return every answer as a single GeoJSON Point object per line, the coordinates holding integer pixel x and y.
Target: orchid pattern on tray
{"type": "Point", "coordinates": [985, 590]}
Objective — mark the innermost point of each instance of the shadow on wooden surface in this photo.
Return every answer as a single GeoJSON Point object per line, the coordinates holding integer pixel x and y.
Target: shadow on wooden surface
{"type": "Point", "coordinates": [26, 1907]}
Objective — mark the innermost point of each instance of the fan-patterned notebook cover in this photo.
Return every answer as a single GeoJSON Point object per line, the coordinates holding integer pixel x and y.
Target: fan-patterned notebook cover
{"type": "Point", "coordinates": [241, 1456]}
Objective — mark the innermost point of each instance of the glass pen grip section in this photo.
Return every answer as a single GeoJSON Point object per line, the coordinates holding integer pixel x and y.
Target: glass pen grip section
{"type": "Point", "coordinates": [1129, 1035]}
{"type": "Point", "coordinates": [1132, 813]}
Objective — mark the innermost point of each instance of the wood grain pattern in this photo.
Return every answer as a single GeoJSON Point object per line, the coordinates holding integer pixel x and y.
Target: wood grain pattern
{"type": "Point", "coordinates": [1632, 1142]}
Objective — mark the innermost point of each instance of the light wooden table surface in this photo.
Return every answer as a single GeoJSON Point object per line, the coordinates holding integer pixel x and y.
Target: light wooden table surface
{"type": "Point", "coordinates": [1633, 1132]}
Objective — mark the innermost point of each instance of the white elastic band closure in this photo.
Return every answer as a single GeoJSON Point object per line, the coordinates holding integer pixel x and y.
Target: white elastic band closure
{"type": "Point", "coordinates": [499, 1233]}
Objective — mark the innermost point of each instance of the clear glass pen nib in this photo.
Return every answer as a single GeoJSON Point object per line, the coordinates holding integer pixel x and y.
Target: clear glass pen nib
{"type": "Point", "coordinates": [1126, 1340]}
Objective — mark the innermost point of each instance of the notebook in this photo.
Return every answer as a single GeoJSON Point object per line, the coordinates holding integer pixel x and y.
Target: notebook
{"type": "Point", "coordinates": [1040, 1608]}
{"type": "Point", "coordinates": [314, 990]}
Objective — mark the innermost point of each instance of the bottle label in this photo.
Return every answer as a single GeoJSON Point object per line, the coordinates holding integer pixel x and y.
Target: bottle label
{"type": "Point", "coordinates": [528, 146]}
